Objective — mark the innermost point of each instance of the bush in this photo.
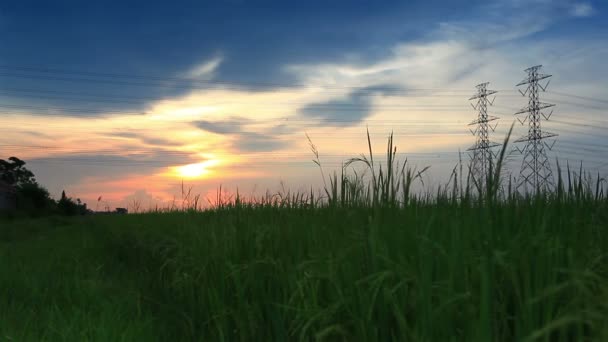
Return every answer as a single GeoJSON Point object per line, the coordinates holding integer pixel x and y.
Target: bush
{"type": "Point", "coordinates": [69, 207]}
{"type": "Point", "coordinates": [34, 200]}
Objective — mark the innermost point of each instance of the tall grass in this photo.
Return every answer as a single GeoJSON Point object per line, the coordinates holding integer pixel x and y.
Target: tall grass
{"type": "Point", "coordinates": [366, 259]}
{"type": "Point", "coordinates": [390, 184]}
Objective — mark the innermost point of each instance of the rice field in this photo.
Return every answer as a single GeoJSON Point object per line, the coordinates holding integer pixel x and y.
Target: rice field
{"type": "Point", "coordinates": [367, 261]}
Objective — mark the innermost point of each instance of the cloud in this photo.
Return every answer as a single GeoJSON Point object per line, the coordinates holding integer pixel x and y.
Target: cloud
{"type": "Point", "coordinates": [258, 142]}
{"type": "Point", "coordinates": [348, 111]}
{"type": "Point", "coordinates": [205, 70]}
{"type": "Point", "coordinates": [280, 129]}
{"type": "Point", "coordinates": [252, 140]}
{"type": "Point", "coordinates": [581, 10]}
{"type": "Point", "coordinates": [233, 125]}
{"type": "Point", "coordinates": [75, 171]}
{"type": "Point", "coordinates": [149, 160]}
{"type": "Point", "coordinates": [148, 140]}
{"type": "Point", "coordinates": [141, 200]}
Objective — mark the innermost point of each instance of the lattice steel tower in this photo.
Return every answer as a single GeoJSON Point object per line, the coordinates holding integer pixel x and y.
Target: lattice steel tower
{"type": "Point", "coordinates": [482, 153]}
{"type": "Point", "coordinates": [535, 173]}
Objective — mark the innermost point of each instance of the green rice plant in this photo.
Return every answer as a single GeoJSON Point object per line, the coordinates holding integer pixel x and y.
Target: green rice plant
{"type": "Point", "coordinates": [388, 182]}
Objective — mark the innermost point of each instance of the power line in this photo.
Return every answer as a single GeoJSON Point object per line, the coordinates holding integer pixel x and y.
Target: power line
{"type": "Point", "coordinates": [314, 123]}
{"type": "Point", "coordinates": [219, 86]}
{"type": "Point", "coordinates": [298, 126]}
{"type": "Point", "coordinates": [241, 85]}
{"type": "Point", "coordinates": [139, 157]}
{"type": "Point", "coordinates": [86, 97]}
{"type": "Point", "coordinates": [46, 70]}
{"type": "Point", "coordinates": [244, 164]}
{"type": "Point", "coordinates": [62, 111]}
{"type": "Point", "coordinates": [567, 103]}
{"type": "Point", "coordinates": [415, 94]}
{"type": "Point", "coordinates": [580, 97]}
{"type": "Point", "coordinates": [171, 153]}
{"type": "Point", "coordinates": [141, 152]}
{"type": "Point", "coordinates": [578, 143]}
{"type": "Point", "coordinates": [308, 105]}
{"type": "Point", "coordinates": [575, 149]}
{"type": "Point", "coordinates": [178, 79]}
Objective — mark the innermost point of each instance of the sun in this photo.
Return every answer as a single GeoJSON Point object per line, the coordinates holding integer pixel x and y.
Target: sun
{"type": "Point", "coordinates": [192, 170]}
{"type": "Point", "coordinates": [195, 170]}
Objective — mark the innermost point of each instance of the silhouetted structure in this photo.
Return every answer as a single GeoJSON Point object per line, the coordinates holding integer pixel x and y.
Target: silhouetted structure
{"type": "Point", "coordinates": [121, 211]}
{"type": "Point", "coordinates": [535, 170]}
{"type": "Point", "coordinates": [482, 153]}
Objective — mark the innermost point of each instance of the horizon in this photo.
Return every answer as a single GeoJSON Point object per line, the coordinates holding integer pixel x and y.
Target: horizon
{"type": "Point", "coordinates": [130, 104]}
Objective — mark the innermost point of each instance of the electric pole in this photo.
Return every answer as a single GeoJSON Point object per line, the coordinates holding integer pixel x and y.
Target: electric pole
{"type": "Point", "coordinates": [482, 153]}
{"type": "Point", "coordinates": [535, 170]}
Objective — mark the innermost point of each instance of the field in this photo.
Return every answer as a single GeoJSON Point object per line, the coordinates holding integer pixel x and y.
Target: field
{"type": "Point", "coordinates": [371, 263]}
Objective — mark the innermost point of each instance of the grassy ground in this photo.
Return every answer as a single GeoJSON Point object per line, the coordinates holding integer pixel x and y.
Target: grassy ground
{"type": "Point", "coordinates": [448, 271]}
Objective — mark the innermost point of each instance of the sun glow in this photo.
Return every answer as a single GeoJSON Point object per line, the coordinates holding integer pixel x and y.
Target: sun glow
{"type": "Point", "coordinates": [195, 170]}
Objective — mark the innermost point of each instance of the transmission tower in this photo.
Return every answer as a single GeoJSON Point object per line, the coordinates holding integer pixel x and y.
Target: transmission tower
{"type": "Point", "coordinates": [482, 153]}
{"type": "Point", "coordinates": [535, 173]}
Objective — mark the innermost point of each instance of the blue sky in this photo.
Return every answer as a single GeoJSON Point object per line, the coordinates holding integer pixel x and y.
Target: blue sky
{"type": "Point", "coordinates": [257, 75]}
{"type": "Point", "coordinates": [254, 39]}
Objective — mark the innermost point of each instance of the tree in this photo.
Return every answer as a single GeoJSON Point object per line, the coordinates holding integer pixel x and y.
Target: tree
{"type": "Point", "coordinates": [34, 199]}
{"type": "Point", "coordinates": [15, 173]}
{"type": "Point", "coordinates": [67, 206]}
{"type": "Point", "coordinates": [31, 197]}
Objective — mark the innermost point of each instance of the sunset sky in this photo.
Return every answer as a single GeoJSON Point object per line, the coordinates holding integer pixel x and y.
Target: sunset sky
{"type": "Point", "coordinates": [127, 102]}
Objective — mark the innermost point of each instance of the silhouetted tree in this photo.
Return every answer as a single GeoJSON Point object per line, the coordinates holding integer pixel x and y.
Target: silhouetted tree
{"type": "Point", "coordinates": [68, 206]}
{"type": "Point", "coordinates": [14, 172]}
{"type": "Point", "coordinates": [32, 198]}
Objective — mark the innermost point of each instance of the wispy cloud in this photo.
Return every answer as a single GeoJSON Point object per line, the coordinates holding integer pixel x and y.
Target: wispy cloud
{"type": "Point", "coordinates": [205, 70]}
{"type": "Point", "coordinates": [142, 200]}
{"type": "Point", "coordinates": [349, 110]}
{"type": "Point", "coordinates": [145, 139]}
{"type": "Point", "coordinates": [259, 142]}
{"type": "Point", "coordinates": [247, 139]}
{"type": "Point", "coordinates": [230, 126]}
{"type": "Point", "coordinates": [583, 9]}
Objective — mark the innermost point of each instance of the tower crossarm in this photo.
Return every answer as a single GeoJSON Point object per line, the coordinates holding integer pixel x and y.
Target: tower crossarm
{"type": "Point", "coordinates": [482, 95]}
{"type": "Point", "coordinates": [533, 79]}
{"type": "Point", "coordinates": [476, 147]}
{"type": "Point", "coordinates": [542, 135]}
{"type": "Point", "coordinates": [483, 120]}
{"type": "Point", "coordinates": [533, 76]}
{"type": "Point", "coordinates": [540, 106]}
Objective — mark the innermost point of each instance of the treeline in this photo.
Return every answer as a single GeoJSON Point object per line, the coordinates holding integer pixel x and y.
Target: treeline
{"type": "Point", "coordinates": [22, 195]}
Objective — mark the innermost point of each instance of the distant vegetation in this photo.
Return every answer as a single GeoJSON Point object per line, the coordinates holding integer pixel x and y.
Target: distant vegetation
{"type": "Point", "coordinates": [30, 198]}
{"type": "Point", "coordinates": [370, 261]}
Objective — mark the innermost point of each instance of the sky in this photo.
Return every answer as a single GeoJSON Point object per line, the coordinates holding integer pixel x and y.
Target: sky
{"type": "Point", "coordinates": [135, 102]}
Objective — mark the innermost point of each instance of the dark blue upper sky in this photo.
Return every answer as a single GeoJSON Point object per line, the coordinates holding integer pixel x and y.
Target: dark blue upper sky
{"type": "Point", "coordinates": [166, 37]}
